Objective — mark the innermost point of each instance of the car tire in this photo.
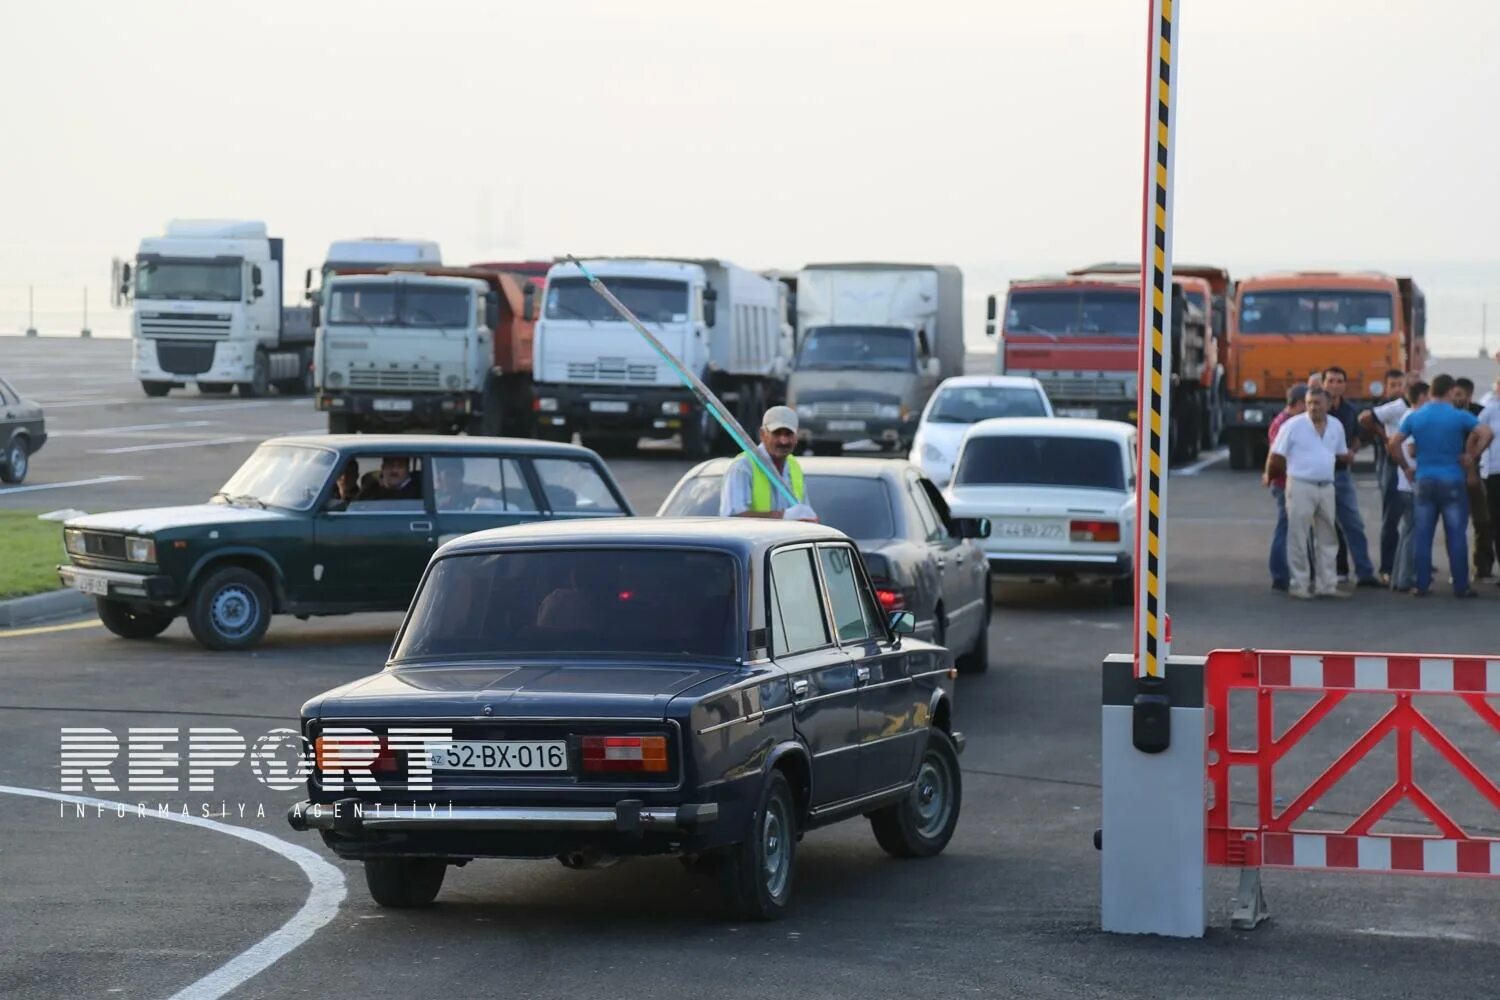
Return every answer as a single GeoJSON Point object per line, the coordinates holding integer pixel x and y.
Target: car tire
{"type": "Point", "coordinates": [259, 385]}
{"type": "Point", "coordinates": [1122, 591]}
{"type": "Point", "coordinates": [129, 623]}
{"type": "Point", "coordinates": [17, 460]}
{"type": "Point", "coordinates": [756, 875]}
{"type": "Point", "coordinates": [156, 389]}
{"type": "Point", "coordinates": [230, 609]}
{"type": "Point", "coordinates": [977, 660]}
{"type": "Point", "coordinates": [922, 823]}
{"type": "Point", "coordinates": [404, 883]}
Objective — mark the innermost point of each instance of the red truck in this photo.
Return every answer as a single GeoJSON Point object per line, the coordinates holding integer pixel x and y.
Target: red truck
{"type": "Point", "coordinates": [1079, 336]}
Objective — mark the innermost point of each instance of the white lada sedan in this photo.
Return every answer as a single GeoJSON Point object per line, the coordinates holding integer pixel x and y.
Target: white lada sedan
{"type": "Point", "coordinates": [1060, 496]}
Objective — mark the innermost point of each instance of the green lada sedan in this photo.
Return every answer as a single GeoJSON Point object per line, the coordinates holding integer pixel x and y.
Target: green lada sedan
{"type": "Point", "coordinates": [321, 525]}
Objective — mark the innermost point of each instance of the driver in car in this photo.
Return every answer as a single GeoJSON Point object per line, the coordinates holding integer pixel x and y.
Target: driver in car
{"type": "Point", "coordinates": [395, 481]}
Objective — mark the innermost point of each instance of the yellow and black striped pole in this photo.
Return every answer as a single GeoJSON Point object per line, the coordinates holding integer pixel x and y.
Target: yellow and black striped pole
{"type": "Point", "coordinates": [1154, 374]}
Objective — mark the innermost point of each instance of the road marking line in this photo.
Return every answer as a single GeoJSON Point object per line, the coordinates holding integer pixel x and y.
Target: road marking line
{"type": "Point", "coordinates": [205, 407]}
{"type": "Point", "coordinates": [62, 486]}
{"type": "Point", "coordinates": [132, 428]}
{"type": "Point", "coordinates": [170, 444]}
{"type": "Point", "coordinates": [20, 633]}
{"type": "Point", "coordinates": [84, 402]}
{"type": "Point", "coordinates": [1212, 458]}
{"type": "Point", "coordinates": [325, 894]}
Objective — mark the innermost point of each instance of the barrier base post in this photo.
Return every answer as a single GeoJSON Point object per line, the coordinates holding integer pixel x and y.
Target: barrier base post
{"type": "Point", "coordinates": [1249, 902]}
{"type": "Point", "coordinates": [1152, 875]}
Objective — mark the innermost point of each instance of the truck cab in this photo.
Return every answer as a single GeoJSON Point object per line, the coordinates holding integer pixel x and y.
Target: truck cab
{"type": "Point", "coordinates": [208, 310]}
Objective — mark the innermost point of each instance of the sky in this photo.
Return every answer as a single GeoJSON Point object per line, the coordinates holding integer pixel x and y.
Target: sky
{"type": "Point", "coordinates": [1000, 136]}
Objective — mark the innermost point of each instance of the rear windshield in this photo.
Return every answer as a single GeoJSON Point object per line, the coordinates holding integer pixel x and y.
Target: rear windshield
{"type": "Point", "coordinates": [1316, 311]}
{"type": "Point", "coordinates": [1041, 461]}
{"type": "Point", "coordinates": [623, 602]}
{"type": "Point", "coordinates": [859, 507]}
{"type": "Point", "coordinates": [970, 404]}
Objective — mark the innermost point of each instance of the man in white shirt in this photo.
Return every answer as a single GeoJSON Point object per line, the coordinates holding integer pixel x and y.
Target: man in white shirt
{"type": "Point", "coordinates": [1380, 422]}
{"type": "Point", "coordinates": [748, 492]}
{"type": "Point", "coordinates": [1489, 467]}
{"type": "Point", "coordinates": [1307, 450]}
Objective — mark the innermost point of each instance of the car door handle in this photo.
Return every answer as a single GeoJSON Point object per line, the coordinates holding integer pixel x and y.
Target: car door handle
{"type": "Point", "coordinates": [862, 674]}
{"type": "Point", "coordinates": [799, 687]}
{"type": "Point", "coordinates": [421, 526]}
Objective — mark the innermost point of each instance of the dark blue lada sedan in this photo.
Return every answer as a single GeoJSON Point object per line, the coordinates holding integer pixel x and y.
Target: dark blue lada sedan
{"type": "Point", "coordinates": [597, 689]}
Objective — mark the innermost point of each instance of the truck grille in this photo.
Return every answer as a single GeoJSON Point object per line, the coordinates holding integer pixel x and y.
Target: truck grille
{"type": "Point", "coordinates": [376, 379]}
{"type": "Point", "coordinates": [1084, 388]}
{"type": "Point", "coordinates": [857, 408]}
{"type": "Point", "coordinates": [108, 546]}
{"type": "Point", "coordinates": [185, 357]}
{"type": "Point", "coordinates": [178, 325]}
{"type": "Point", "coordinates": [610, 370]}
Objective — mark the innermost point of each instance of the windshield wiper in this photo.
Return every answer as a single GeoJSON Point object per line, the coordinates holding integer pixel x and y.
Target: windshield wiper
{"type": "Point", "coordinates": [574, 313]}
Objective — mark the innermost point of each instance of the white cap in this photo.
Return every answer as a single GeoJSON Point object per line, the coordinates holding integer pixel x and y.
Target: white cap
{"type": "Point", "coordinates": [780, 418]}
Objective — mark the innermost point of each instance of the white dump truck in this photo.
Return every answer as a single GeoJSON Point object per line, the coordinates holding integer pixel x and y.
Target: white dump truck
{"type": "Point", "coordinates": [875, 341]}
{"type": "Point", "coordinates": [208, 310]}
{"type": "Point", "coordinates": [597, 376]}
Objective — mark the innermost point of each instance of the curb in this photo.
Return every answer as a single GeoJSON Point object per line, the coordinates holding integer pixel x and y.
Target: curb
{"type": "Point", "coordinates": [54, 605]}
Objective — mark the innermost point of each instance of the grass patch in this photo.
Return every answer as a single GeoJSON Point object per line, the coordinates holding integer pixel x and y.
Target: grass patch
{"type": "Point", "coordinates": [30, 552]}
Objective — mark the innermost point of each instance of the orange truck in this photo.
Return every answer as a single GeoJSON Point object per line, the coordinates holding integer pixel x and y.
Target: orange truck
{"type": "Point", "coordinates": [1285, 326]}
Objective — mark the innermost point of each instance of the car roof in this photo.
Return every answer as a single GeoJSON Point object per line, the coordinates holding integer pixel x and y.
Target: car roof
{"type": "Point", "coordinates": [1007, 381]}
{"type": "Point", "coordinates": [448, 443]}
{"type": "Point", "coordinates": [1052, 427]}
{"type": "Point", "coordinates": [865, 468]}
{"type": "Point", "coordinates": [741, 535]}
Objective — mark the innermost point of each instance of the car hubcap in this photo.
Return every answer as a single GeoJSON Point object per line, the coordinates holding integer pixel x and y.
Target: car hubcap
{"type": "Point", "coordinates": [234, 611]}
{"type": "Point", "coordinates": [775, 849]}
{"type": "Point", "coordinates": [933, 797]}
{"type": "Point", "coordinates": [18, 461]}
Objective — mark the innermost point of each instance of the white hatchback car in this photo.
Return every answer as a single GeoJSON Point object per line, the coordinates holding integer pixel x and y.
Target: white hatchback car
{"type": "Point", "coordinates": [1060, 496]}
{"type": "Point", "coordinates": [960, 403]}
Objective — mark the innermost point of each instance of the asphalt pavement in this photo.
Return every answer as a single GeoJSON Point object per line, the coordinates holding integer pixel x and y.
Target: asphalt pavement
{"type": "Point", "coordinates": [135, 906]}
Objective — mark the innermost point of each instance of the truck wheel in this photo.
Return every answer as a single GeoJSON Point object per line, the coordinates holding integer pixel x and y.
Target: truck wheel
{"type": "Point", "coordinates": [401, 883]}
{"type": "Point", "coordinates": [756, 875]}
{"type": "Point", "coordinates": [977, 660]}
{"type": "Point", "coordinates": [491, 420]}
{"type": "Point", "coordinates": [17, 460]}
{"type": "Point", "coordinates": [921, 824]}
{"type": "Point", "coordinates": [230, 609]}
{"type": "Point", "coordinates": [156, 389]}
{"type": "Point", "coordinates": [698, 437]}
{"type": "Point", "coordinates": [341, 423]}
{"type": "Point", "coordinates": [1241, 455]}
{"type": "Point", "coordinates": [128, 623]}
{"type": "Point", "coordinates": [259, 385]}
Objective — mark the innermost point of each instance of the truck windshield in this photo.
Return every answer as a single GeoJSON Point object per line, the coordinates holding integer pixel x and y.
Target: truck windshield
{"type": "Point", "coordinates": [653, 300]}
{"type": "Point", "coordinates": [871, 348]}
{"type": "Point", "coordinates": [1315, 310]}
{"type": "Point", "coordinates": [1089, 463]}
{"type": "Point", "coordinates": [1092, 312]}
{"type": "Point", "coordinates": [371, 304]}
{"type": "Point", "coordinates": [640, 603]}
{"type": "Point", "coordinates": [279, 476]}
{"type": "Point", "coordinates": [205, 280]}
{"type": "Point", "coordinates": [970, 404]}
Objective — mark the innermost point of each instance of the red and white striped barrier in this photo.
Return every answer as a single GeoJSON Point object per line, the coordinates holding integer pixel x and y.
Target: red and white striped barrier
{"type": "Point", "coordinates": [1379, 672]}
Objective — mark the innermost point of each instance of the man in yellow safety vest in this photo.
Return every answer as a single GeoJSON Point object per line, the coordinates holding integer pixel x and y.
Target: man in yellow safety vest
{"type": "Point", "coordinates": [748, 492]}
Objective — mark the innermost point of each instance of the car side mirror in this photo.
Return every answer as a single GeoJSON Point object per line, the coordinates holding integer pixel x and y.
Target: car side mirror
{"type": "Point", "coordinates": [972, 527]}
{"type": "Point", "coordinates": [902, 623]}
{"type": "Point", "coordinates": [710, 305]}
{"type": "Point", "coordinates": [256, 290]}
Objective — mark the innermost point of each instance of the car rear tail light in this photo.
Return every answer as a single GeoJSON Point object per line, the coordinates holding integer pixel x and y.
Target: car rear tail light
{"type": "Point", "coordinates": [355, 753]}
{"type": "Point", "coordinates": [889, 597]}
{"type": "Point", "coordinates": [1094, 531]}
{"type": "Point", "coordinates": [625, 753]}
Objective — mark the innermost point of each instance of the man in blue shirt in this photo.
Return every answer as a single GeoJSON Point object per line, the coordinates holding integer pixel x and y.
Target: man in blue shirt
{"type": "Point", "coordinates": [1448, 443]}
{"type": "Point", "coordinates": [1346, 502]}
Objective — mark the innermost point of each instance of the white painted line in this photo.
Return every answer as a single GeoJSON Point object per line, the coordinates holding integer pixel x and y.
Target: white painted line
{"type": "Point", "coordinates": [131, 429]}
{"type": "Point", "coordinates": [85, 402]}
{"type": "Point", "coordinates": [1424, 935]}
{"type": "Point", "coordinates": [1212, 458]}
{"type": "Point", "coordinates": [206, 407]}
{"type": "Point", "coordinates": [325, 894]}
{"type": "Point", "coordinates": [62, 486]}
{"type": "Point", "coordinates": [170, 444]}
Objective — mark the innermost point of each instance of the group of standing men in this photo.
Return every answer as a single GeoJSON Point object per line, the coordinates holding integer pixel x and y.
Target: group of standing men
{"type": "Point", "coordinates": [1438, 458]}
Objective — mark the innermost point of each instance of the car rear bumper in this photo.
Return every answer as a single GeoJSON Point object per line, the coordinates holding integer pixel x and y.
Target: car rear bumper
{"type": "Point", "coordinates": [138, 588]}
{"type": "Point", "coordinates": [1107, 565]}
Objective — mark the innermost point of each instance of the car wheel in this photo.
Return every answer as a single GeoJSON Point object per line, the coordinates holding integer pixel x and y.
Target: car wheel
{"type": "Point", "coordinates": [1122, 591]}
{"type": "Point", "coordinates": [156, 389]}
{"type": "Point", "coordinates": [259, 385]}
{"type": "Point", "coordinates": [401, 883]}
{"type": "Point", "coordinates": [17, 460]}
{"type": "Point", "coordinates": [757, 873]}
{"type": "Point", "coordinates": [977, 660]}
{"type": "Point", "coordinates": [922, 823]}
{"type": "Point", "coordinates": [128, 623]}
{"type": "Point", "coordinates": [230, 609]}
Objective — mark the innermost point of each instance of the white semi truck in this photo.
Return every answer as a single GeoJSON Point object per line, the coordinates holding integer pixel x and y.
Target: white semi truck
{"type": "Point", "coordinates": [597, 376]}
{"type": "Point", "coordinates": [208, 310]}
{"type": "Point", "coordinates": [875, 341]}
